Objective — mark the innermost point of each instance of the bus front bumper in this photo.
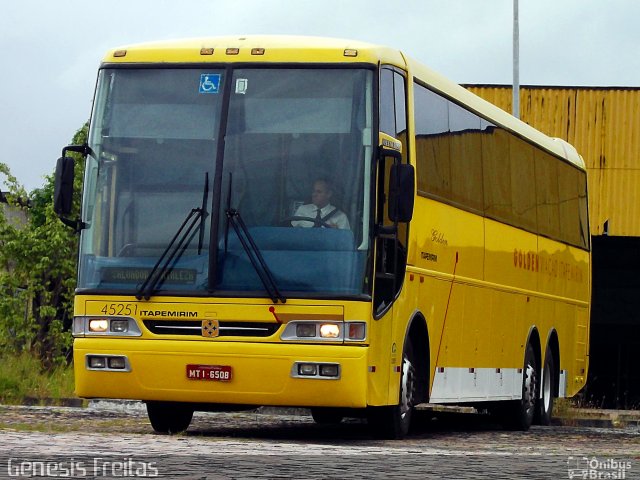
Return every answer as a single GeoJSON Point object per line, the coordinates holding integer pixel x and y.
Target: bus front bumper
{"type": "Point", "coordinates": [260, 373]}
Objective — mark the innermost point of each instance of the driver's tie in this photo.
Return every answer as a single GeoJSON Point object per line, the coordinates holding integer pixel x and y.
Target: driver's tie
{"type": "Point", "coordinates": [317, 223]}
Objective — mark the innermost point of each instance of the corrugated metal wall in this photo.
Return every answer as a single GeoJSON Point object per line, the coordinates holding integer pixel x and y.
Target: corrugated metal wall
{"type": "Point", "coordinates": [603, 124]}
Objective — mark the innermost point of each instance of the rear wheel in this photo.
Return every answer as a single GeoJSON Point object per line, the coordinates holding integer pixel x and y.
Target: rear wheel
{"type": "Point", "coordinates": [393, 422]}
{"type": "Point", "coordinates": [168, 417]}
{"type": "Point", "coordinates": [545, 403]}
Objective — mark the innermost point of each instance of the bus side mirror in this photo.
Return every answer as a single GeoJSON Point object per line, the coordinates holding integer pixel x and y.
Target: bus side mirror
{"type": "Point", "coordinates": [401, 192]}
{"type": "Point", "coordinates": [63, 188]}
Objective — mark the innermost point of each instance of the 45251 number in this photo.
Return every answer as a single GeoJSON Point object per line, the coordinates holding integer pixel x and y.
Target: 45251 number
{"type": "Point", "coordinates": [119, 309]}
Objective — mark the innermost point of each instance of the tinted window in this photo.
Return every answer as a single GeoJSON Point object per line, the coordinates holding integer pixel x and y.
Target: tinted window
{"type": "Point", "coordinates": [387, 103]}
{"type": "Point", "coordinates": [400, 100]}
{"type": "Point", "coordinates": [432, 143]}
{"type": "Point", "coordinates": [548, 201]}
{"type": "Point", "coordinates": [466, 159]}
{"type": "Point", "coordinates": [448, 149]}
{"type": "Point", "coordinates": [523, 191]}
{"type": "Point", "coordinates": [469, 162]}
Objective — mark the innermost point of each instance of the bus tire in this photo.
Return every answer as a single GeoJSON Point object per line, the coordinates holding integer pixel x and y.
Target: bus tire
{"type": "Point", "coordinates": [168, 417]}
{"type": "Point", "coordinates": [545, 402]}
{"type": "Point", "coordinates": [393, 422]}
{"type": "Point", "coordinates": [519, 415]}
{"type": "Point", "coordinates": [326, 416]}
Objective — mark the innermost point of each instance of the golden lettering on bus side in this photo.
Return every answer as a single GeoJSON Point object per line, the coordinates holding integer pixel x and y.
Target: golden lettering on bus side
{"type": "Point", "coordinates": [526, 260]}
{"type": "Point", "coordinates": [438, 237]}
{"type": "Point", "coordinates": [552, 267]}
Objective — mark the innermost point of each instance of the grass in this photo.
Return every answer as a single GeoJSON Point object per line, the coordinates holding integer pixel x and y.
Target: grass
{"type": "Point", "coordinates": [66, 424]}
{"type": "Point", "coordinates": [37, 427]}
{"type": "Point", "coordinates": [563, 407]}
{"type": "Point", "coordinates": [22, 377]}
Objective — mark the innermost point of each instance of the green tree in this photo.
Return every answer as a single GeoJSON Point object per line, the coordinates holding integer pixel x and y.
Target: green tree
{"type": "Point", "coordinates": [38, 264]}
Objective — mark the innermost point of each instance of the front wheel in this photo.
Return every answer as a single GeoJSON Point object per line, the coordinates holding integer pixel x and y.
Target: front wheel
{"type": "Point", "coordinates": [326, 416]}
{"type": "Point", "coordinates": [168, 417]}
{"type": "Point", "coordinates": [393, 422]}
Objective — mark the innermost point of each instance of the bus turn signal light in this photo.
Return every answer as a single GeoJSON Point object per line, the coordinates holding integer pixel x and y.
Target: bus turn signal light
{"type": "Point", "coordinates": [357, 331]}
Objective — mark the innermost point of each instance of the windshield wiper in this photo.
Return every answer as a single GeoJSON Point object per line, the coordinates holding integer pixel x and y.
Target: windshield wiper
{"type": "Point", "coordinates": [203, 211]}
{"type": "Point", "coordinates": [176, 246]}
{"type": "Point", "coordinates": [255, 257]}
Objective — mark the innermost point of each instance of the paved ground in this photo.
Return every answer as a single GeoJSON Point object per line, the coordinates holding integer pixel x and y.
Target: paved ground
{"type": "Point", "coordinates": [117, 442]}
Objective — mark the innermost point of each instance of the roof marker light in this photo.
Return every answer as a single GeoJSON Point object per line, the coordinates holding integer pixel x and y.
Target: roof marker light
{"type": "Point", "coordinates": [350, 52]}
{"type": "Point", "coordinates": [257, 51]}
{"type": "Point", "coordinates": [233, 51]}
{"type": "Point", "coordinates": [120, 53]}
{"type": "Point", "coordinates": [206, 51]}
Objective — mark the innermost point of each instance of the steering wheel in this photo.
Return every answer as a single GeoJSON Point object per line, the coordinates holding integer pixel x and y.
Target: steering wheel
{"type": "Point", "coordinates": [316, 222]}
{"type": "Point", "coordinates": [126, 250]}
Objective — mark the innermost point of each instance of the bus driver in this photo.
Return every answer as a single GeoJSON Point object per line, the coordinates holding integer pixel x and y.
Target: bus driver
{"type": "Point", "coordinates": [320, 209]}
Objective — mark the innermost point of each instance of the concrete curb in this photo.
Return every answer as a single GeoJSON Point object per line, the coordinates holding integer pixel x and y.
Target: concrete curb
{"type": "Point", "coordinates": [587, 417]}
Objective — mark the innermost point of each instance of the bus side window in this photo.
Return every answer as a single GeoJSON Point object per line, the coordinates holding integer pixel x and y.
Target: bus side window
{"type": "Point", "coordinates": [390, 249]}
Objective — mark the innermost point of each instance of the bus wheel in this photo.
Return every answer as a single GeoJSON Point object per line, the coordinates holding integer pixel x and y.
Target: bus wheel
{"type": "Point", "coordinates": [545, 404]}
{"type": "Point", "coordinates": [168, 417]}
{"type": "Point", "coordinates": [519, 414]}
{"type": "Point", "coordinates": [326, 416]}
{"type": "Point", "coordinates": [393, 422]}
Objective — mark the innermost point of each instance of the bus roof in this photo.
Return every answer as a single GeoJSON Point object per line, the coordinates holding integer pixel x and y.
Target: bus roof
{"type": "Point", "coordinates": [303, 49]}
{"type": "Point", "coordinates": [275, 48]}
{"type": "Point", "coordinates": [461, 95]}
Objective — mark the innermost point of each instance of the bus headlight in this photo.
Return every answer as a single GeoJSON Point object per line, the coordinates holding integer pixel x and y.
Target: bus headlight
{"type": "Point", "coordinates": [117, 326]}
{"type": "Point", "coordinates": [107, 363]}
{"type": "Point", "coordinates": [94, 362]}
{"type": "Point", "coordinates": [98, 325]}
{"type": "Point", "coordinates": [329, 330]}
{"type": "Point", "coordinates": [325, 331]}
{"type": "Point", "coordinates": [306, 329]}
{"type": "Point", "coordinates": [329, 370]}
{"type": "Point", "coordinates": [316, 370]}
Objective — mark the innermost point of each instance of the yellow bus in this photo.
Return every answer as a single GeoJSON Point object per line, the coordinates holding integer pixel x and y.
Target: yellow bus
{"type": "Point", "coordinates": [321, 223]}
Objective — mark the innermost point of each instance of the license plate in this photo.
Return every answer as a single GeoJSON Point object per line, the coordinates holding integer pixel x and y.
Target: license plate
{"type": "Point", "coordinates": [216, 373]}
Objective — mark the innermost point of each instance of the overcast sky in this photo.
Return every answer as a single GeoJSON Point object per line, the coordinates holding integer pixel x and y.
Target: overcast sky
{"type": "Point", "coordinates": [51, 50]}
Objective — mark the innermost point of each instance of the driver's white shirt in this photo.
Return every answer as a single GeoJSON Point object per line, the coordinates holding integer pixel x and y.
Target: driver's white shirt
{"type": "Point", "coordinates": [338, 219]}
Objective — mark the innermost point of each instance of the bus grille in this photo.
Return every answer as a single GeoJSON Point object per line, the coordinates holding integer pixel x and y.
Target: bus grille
{"type": "Point", "coordinates": [227, 329]}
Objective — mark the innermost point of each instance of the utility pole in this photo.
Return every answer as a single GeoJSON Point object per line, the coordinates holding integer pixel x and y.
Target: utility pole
{"type": "Point", "coordinates": [516, 61]}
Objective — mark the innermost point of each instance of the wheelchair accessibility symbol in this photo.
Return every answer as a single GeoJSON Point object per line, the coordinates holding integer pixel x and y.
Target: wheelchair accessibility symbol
{"type": "Point", "coordinates": [209, 83]}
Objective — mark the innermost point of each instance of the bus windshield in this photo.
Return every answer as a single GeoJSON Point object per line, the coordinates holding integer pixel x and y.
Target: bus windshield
{"type": "Point", "coordinates": [292, 172]}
